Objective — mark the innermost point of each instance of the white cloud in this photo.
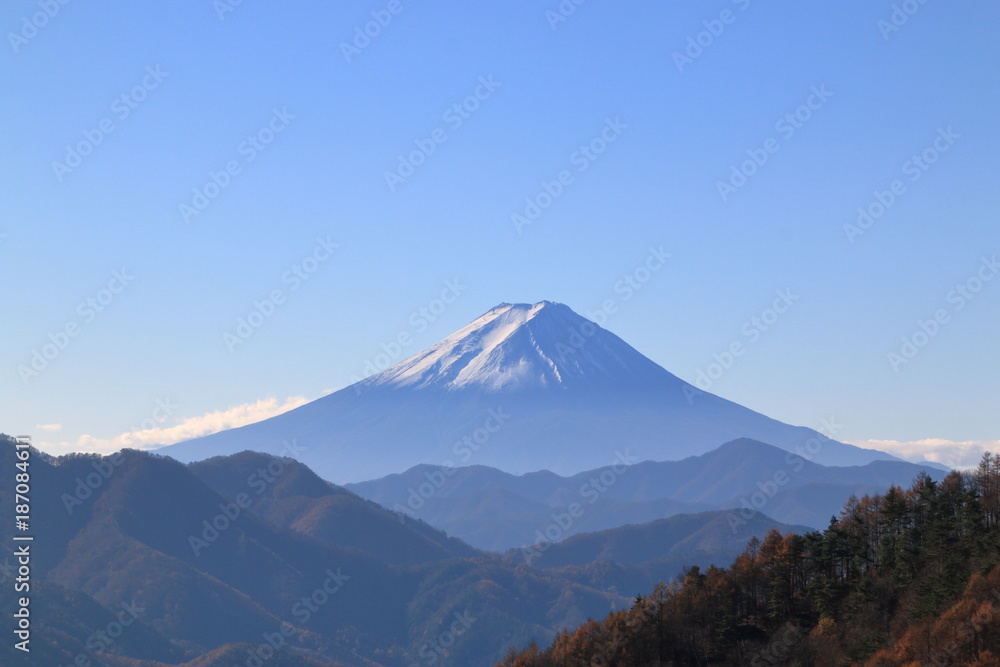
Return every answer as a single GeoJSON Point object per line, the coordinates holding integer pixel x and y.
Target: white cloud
{"type": "Point", "coordinates": [954, 454]}
{"type": "Point", "coordinates": [49, 427]}
{"type": "Point", "coordinates": [192, 427]}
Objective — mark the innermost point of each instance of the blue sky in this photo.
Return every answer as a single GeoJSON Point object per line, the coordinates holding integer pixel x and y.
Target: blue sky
{"type": "Point", "coordinates": [213, 157]}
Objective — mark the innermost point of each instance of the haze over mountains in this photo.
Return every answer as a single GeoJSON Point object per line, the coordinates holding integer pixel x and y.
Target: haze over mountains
{"type": "Point", "coordinates": [636, 475]}
{"type": "Point", "coordinates": [491, 509]}
{"type": "Point", "coordinates": [524, 387]}
{"type": "Point", "coordinates": [222, 559]}
{"type": "Point", "coordinates": [551, 473]}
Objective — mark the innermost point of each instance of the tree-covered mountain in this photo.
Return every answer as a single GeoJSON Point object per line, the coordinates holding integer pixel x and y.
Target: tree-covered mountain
{"type": "Point", "coordinates": [211, 574]}
{"type": "Point", "coordinates": [698, 538]}
{"type": "Point", "coordinates": [909, 577]}
{"type": "Point", "coordinates": [287, 493]}
{"type": "Point", "coordinates": [223, 559]}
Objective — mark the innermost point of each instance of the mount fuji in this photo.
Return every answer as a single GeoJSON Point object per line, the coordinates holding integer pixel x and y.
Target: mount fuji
{"type": "Point", "coordinates": [523, 387]}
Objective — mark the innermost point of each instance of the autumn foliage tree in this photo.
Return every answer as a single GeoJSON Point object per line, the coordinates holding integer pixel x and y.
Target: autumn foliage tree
{"type": "Point", "coordinates": [908, 577]}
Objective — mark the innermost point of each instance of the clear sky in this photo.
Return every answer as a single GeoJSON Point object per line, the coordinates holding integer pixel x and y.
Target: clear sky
{"type": "Point", "coordinates": [164, 166]}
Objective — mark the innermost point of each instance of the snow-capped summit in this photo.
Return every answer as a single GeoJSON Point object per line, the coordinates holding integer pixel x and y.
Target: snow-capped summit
{"type": "Point", "coordinates": [523, 346]}
{"type": "Point", "coordinates": [522, 387]}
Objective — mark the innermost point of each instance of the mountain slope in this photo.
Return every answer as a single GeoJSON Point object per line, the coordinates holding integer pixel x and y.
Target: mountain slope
{"type": "Point", "coordinates": [523, 387]}
{"type": "Point", "coordinates": [494, 510]}
{"type": "Point", "coordinates": [521, 347]}
{"type": "Point", "coordinates": [712, 534]}
{"type": "Point", "coordinates": [211, 588]}
{"type": "Point", "coordinates": [287, 493]}
{"type": "Point", "coordinates": [909, 578]}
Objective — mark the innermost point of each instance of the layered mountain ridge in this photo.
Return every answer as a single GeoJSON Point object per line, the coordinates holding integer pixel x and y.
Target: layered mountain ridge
{"type": "Point", "coordinates": [221, 563]}
{"type": "Point", "coordinates": [494, 510]}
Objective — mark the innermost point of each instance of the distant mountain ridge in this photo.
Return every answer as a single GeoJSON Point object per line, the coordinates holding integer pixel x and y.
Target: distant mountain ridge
{"type": "Point", "coordinates": [699, 539]}
{"type": "Point", "coordinates": [570, 395]}
{"type": "Point", "coordinates": [223, 558]}
{"type": "Point", "coordinates": [491, 509]}
{"type": "Point", "coordinates": [134, 539]}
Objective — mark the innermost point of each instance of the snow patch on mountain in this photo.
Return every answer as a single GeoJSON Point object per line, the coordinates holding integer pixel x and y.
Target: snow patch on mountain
{"type": "Point", "coordinates": [522, 346]}
{"type": "Point", "coordinates": [576, 393]}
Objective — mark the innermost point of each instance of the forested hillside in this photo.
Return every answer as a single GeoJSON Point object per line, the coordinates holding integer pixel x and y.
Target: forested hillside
{"type": "Point", "coordinates": [910, 577]}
